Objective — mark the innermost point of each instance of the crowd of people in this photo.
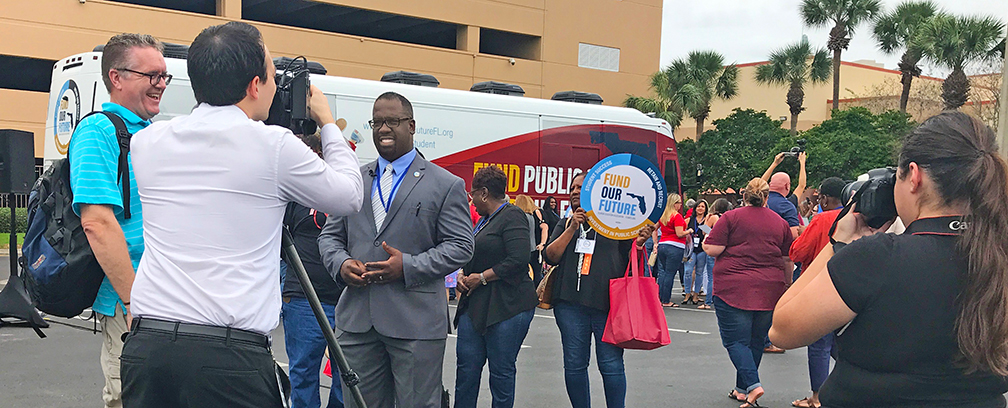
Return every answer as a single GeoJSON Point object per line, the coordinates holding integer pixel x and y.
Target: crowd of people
{"type": "Point", "coordinates": [920, 312]}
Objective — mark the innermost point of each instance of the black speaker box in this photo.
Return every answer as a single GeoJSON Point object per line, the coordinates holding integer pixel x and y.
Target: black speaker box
{"type": "Point", "coordinates": [17, 155]}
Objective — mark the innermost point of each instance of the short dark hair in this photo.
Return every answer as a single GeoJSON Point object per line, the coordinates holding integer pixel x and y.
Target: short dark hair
{"type": "Point", "coordinates": [392, 96]}
{"type": "Point", "coordinates": [314, 142]}
{"type": "Point", "coordinates": [115, 54]}
{"type": "Point", "coordinates": [832, 187]}
{"type": "Point", "coordinates": [493, 179]}
{"type": "Point", "coordinates": [223, 59]}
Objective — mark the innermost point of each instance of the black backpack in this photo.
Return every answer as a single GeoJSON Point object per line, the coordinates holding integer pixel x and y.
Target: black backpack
{"type": "Point", "coordinates": [63, 276]}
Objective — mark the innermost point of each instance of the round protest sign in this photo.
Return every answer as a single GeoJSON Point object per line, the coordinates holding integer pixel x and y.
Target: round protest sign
{"type": "Point", "coordinates": [621, 194]}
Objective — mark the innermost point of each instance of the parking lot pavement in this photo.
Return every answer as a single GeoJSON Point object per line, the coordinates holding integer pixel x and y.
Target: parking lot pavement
{"type": "Point", "coordinates": [62, 370]}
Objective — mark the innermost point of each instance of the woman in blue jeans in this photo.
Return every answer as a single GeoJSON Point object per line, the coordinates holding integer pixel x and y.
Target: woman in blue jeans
{"type": "Point", "coordinates": [696, 265]}
{"type": "Point", "coordinates": [751, 245]}
{"type": "Point", "coordinates": [498, 297]}
{"type": "Point", "coordinates": [671, 250]}
{"type": "Point", "coordinates": [582, 301]}
{"type": "Point", "coordinates": [718, 209]}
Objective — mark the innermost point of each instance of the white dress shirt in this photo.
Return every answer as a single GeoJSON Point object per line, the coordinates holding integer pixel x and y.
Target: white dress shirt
{"type": "Point", "coordinates": [214, 186]}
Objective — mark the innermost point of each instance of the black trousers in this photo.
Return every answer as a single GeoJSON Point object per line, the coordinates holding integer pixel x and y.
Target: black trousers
{"type": "Point", "coordinates": [171, 369]}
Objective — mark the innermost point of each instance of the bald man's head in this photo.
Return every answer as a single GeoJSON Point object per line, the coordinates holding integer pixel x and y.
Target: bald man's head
{"type": "Point", "coordinates": [781, 183]}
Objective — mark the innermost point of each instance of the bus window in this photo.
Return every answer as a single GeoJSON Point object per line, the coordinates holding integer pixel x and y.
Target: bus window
{"type": "Point", "coordinates": [672, 176]}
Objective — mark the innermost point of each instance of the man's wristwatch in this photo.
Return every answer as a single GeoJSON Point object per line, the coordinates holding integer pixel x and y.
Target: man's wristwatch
{"type": "Point", "coordinates": [483, 279]}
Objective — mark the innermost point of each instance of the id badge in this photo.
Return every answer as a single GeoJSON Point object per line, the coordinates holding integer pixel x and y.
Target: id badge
{"type": "Point", "coordinates": [696, 241]}
{"type": "Point", "coordinates": [585, 246]}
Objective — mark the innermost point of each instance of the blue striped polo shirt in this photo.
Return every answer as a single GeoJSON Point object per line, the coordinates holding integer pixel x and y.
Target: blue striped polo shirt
{"type": "Point", "coordinates": [94, 168]}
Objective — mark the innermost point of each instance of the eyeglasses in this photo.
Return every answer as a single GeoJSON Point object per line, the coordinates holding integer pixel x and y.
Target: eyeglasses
{"type": "Point", "coordinates": [470, 194]}
{"type": "Point", "coordinates": [393, 122]}
{"type": "Point", "coordinates": [155, 77]}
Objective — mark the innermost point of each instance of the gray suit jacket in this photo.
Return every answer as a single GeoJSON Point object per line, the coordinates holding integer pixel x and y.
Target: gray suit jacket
{"type": "Point", "coordinates": [429, 222]}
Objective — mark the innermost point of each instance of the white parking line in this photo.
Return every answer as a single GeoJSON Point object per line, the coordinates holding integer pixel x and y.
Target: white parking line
{"type": "Point", "coordinates": [671, 330]}
{"type": "Point", "coordinates": [688, 331]}
{"type": "Point", "coordinates": [456, 336]}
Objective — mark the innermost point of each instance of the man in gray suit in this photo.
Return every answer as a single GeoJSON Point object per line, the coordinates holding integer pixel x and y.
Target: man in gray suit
{"type": "Point", "coordinates": [413, 229]}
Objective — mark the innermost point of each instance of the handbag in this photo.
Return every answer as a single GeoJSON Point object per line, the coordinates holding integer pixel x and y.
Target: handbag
{"type": "Point", "coordinates": [545, 289]}
{"type": "Point", "coordinates": [636, 319]}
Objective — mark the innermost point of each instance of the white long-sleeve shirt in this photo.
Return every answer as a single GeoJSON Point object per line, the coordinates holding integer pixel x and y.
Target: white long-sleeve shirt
{"type": "Point", "coordinates": [214, 186]}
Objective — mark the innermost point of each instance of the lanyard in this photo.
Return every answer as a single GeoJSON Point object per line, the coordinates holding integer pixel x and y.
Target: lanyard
{"type": "Point", "coordinates": [483, 222]}
{"type": "Point", "coordinates": [395, 187]}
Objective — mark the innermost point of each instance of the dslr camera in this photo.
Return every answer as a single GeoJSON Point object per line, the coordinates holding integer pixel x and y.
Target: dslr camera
{"type": "Point", "coordinates": [290, 107]}
{"type": "Point", "coordinates": [873, 195]}
{"type": "Point", "coordinates": [797, 149]}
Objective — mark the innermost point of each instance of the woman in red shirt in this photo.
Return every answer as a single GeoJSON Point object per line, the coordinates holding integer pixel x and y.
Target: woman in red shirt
{"type": "Point", "coordinates": [751, 246]}
{"type": "Point", "coordinates": [671, 248]}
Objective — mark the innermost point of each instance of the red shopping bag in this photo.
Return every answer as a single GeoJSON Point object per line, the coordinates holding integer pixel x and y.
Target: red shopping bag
{"type": "Point", "coordinates": [636, 319]}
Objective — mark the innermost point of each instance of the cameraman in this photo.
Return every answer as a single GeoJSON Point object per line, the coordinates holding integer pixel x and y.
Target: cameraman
{"type": "Point", "coordinates": [214, 186]}
{"type": "Point", "coordinates": [780, 185]}
{"type": "Point", "coordinates": [922, 314]}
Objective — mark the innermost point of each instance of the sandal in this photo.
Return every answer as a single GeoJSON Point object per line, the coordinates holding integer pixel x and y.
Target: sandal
{"type": "Point", "coordinates": [737, 396]}
{"type": "Point", "coordinates": [753, 403]}
{"type": "Point", "coordinates": [805, 403]}
{"type": "Point", "coordinates": [704, 307]}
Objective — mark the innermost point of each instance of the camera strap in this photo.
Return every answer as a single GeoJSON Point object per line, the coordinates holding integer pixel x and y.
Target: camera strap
{"type": "Point", "coordinates": [845, 210]}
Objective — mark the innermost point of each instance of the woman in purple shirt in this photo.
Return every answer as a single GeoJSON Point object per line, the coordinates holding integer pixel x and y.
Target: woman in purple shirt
{"type": "Point", "coordinates": [751, 246]}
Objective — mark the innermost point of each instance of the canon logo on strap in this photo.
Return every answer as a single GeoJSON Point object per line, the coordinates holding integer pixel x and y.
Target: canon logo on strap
{"type": "Point", "coordinates": [958, 225]}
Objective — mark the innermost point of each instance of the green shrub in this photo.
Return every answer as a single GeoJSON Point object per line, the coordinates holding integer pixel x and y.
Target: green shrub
{"type": "Point", "coordinates": [21, 216]}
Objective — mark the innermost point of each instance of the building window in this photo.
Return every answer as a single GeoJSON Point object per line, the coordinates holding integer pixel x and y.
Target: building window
{"type": "Point", "coordinates": [333, 18]}
{"type": "Point", "coordinates": [25, 74]}
{"type": "Point", "coordinates": [598, 57]}
{"type": "Point", "coordinates": [208, 7]}
{"type": "Point", "coordinates": [509, 44]}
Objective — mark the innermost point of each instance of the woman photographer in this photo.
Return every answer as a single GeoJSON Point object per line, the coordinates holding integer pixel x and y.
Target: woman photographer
{"type": "Point", "coordinates": [922, 315]}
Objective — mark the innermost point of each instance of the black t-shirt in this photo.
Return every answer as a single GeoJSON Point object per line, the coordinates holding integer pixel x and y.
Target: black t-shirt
{"type": "Point", "coordinates": [305, 225]}
{"type": "Point", "coordinates": [901, 349]}
{"type": "Point", "coordinates": [608, 261]}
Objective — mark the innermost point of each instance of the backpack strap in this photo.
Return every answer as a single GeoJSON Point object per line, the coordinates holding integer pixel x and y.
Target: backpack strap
{"type": "Point", "coordinates": [123, 136]}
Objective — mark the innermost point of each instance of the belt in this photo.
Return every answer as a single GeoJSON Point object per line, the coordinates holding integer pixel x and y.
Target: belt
{"type": "Point", "coordinates": [223, 333]}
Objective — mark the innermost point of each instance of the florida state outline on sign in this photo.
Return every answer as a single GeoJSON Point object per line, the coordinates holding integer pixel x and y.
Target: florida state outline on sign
{"type": "Point", "coordinates": [621, 194]}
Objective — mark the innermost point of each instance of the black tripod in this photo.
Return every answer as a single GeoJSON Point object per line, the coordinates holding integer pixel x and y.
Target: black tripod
{"type": "Point", "coordinates": [347, 374]}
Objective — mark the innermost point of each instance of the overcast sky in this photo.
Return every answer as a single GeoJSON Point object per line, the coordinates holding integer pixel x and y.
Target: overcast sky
{"type": "Point", "coordinates": [748, 30]}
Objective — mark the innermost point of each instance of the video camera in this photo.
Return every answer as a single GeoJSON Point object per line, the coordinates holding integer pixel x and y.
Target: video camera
{"type": "Point", "coordinates": [797, 149]}
{"type": "Point", "coordinates": [290, 107]}
{"type": "Point", "coordinates": [873, 196]}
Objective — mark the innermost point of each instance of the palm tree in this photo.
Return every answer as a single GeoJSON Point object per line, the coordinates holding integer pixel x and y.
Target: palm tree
{"type": "Point", "coordinates": [672, 96]}
{"type": "Point", "coordinates": [688, 86]}
{"type": "Point", "coordinates": [844, 15]}
{"type": "Point", "coordinates": [895, 31]}
{"type": "Point", "coordinates": [952, 42]}
{"type": "Point", "coordinates": [794, 66]}
{"type": "Point", "coordinates": [706, 71]}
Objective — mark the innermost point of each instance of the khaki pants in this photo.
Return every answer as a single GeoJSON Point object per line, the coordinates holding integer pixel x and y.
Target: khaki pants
{"type": "Point", "coordinates": [112, 329]}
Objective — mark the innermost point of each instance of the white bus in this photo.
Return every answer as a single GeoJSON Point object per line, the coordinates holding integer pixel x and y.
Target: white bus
{"type": "Point", "coordinates": [541, 144]}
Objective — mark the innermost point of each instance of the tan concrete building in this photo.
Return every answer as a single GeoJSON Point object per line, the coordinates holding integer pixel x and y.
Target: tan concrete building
{"type": "Point", "coordinates": [544, 46]}
{"type": "Point", "coordinates": [862, 83]}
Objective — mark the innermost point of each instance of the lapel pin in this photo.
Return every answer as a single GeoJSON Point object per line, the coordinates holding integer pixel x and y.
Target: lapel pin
{"type": "Point", "coordinates": [416, 174]}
